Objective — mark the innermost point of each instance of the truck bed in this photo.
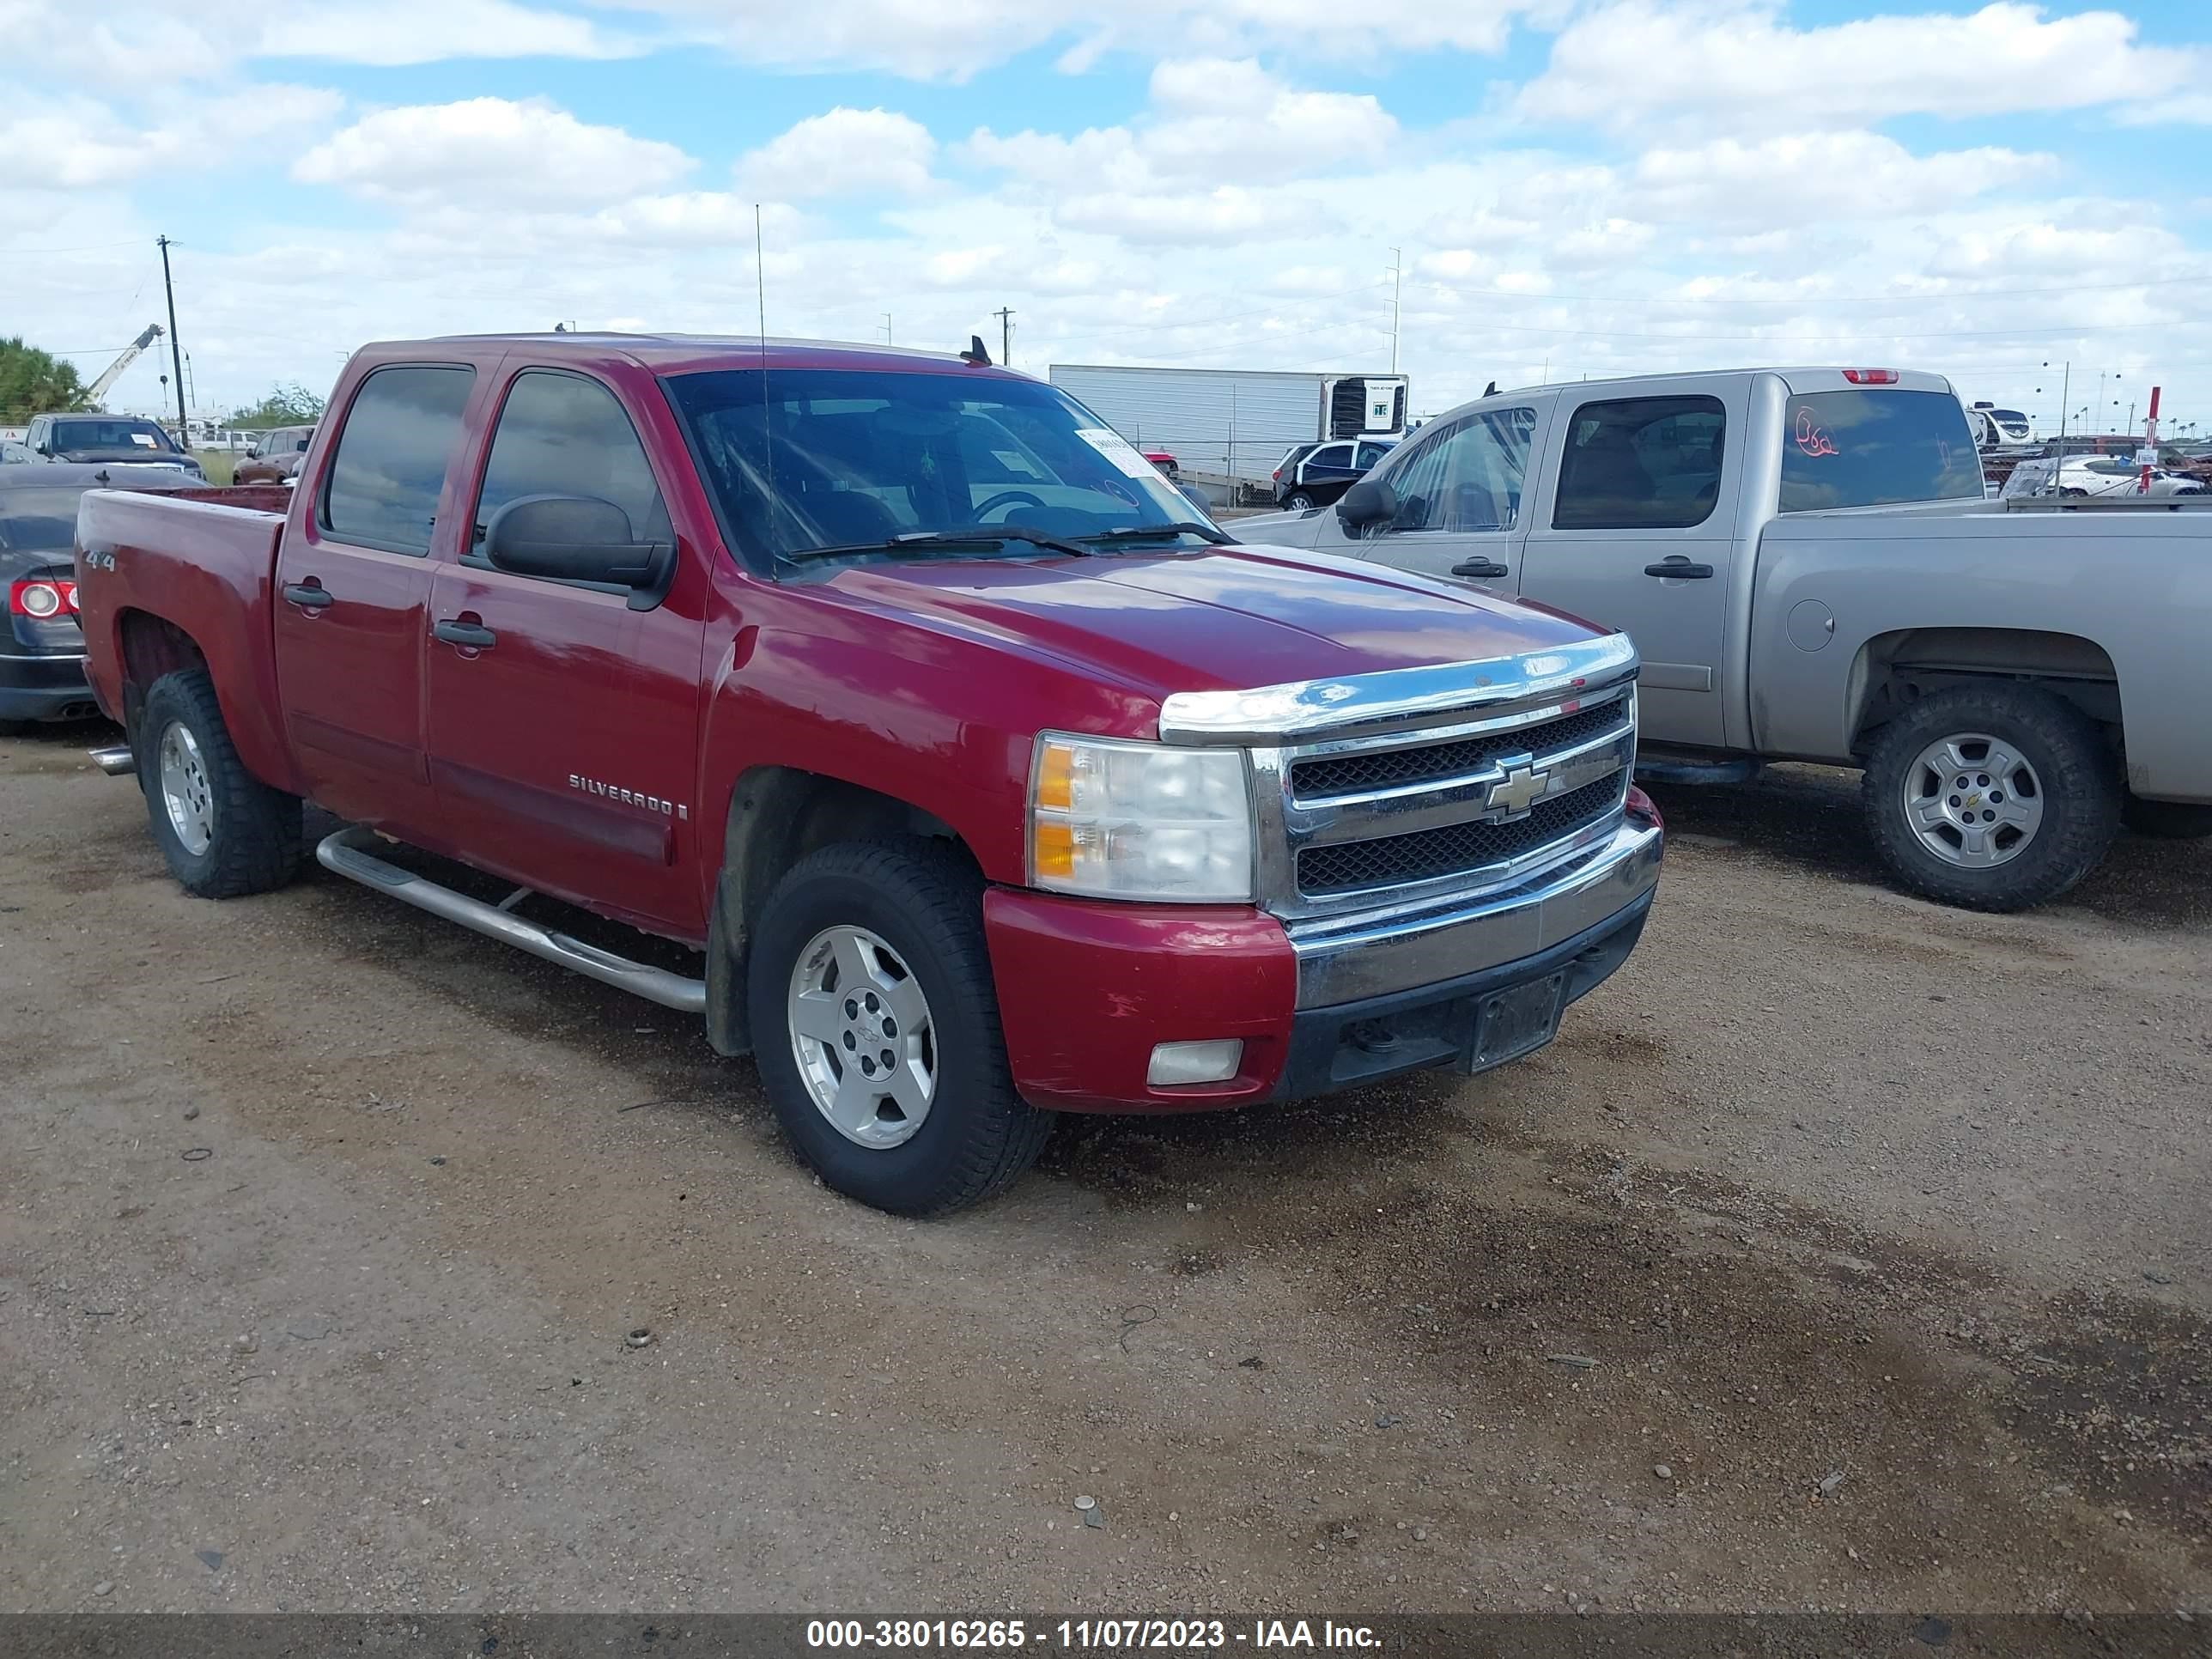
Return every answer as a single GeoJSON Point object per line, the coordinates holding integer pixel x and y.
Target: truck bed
{"type": "Point", "coordinates": [206, 559]}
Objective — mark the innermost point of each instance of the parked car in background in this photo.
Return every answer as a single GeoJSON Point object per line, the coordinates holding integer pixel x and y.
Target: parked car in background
{"type": "Point", "coordinates": [2120, 475]}
{"type": "Point", "coordinates": [1809, 569]}
{"type": "Point", "coordinates": [14, 454]}
{"type": "Point", "coordinates": [1162, 459]}
{"type": "Point", "coordinates": [106, 438]}
{"type": "Point", "coordinates": [275, 457]}
{"type": "Point", "coordinates": [1314, 475]}
{"type": "Point", "coordinates": [41, 649]}
{"type": "Point", "coordinates": [980, 800]}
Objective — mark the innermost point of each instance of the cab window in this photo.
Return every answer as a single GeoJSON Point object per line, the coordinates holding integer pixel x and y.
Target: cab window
{"type": "Point", "coordinates": [1466, 477]}
{"type": "Point", "coordinates": [391, 454]}
{"type": "Point", "coordinates": [1641, 463]}
{"type": "Point", "coordinates": [563, 434]}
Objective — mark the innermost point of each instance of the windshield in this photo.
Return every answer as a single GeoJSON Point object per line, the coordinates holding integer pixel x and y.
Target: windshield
{"type": "Point", "coordinates": [805, 459]}
{"type": "Point", "coordinates": [1872, 448]}
{"type": "Point", "coordinates": [39, 521]}
{"type": "Point", "coordinates": [74, 434]}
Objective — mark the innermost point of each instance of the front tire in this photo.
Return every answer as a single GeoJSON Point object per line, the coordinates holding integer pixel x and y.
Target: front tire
{"type": "Point", "coordinates": [1992, 798]}
{"type": "Point", "coordinates": [223, 832]}
{"type": "Point", "coordinates": [875, 1024]}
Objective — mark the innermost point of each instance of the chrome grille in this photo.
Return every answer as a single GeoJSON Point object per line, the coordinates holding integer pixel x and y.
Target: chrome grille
{"type": "Point", "coordinates": [1461, 801]}
{"type": "Point", "coordinates": [1426, 854]}
{"type": "Point", "coordinates": [1389, 769]}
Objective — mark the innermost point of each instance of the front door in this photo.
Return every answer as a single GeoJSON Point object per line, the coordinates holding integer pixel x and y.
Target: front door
{"type": "Point", "coordinates": [1460, 489]}
{"type": "Point", "coordinates": [1641, 537]}
{"type": "Point", "coordinates": [563, 722]}
{"type": "Point", "coordinates": [353, 588]}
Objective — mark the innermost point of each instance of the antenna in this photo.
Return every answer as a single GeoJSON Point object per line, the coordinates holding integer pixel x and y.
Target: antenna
{"type": "Point", "coordinates": [768, 427]}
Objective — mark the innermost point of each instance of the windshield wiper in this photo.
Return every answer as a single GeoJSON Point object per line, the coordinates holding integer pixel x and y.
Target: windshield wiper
{"type": "Point", "coordinates": [1139, 532]}
{"type": "Point", "coordinates": [985, 536]}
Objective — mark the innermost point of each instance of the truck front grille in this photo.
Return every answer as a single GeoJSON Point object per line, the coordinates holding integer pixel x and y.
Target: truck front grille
{"type": "Point", "coordinates": [1426, 854]}
{"type": "Point", "coordinates": [1446, 807]}
{"type": "Point", "coordinates": [1390, 768]}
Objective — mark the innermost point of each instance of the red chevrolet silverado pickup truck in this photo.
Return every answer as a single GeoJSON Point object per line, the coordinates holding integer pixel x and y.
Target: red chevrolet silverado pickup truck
{"type": "Point", "coordinates": [984, 780]}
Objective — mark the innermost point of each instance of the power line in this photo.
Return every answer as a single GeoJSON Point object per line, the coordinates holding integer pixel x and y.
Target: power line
{"type": "Point", "coordinates": [87, 247]}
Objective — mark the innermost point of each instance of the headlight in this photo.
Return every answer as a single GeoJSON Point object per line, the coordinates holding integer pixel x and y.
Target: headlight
{"type": "Point", "coordinates": [1117, 819]}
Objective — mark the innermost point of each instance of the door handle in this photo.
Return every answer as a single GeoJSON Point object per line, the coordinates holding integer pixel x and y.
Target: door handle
{"type": "Point", "coordinates": [308, 595]}
{"type": "Point", "coordinates": [465, 633]}
{"type": "Point", "coordinates": [1678, 567]}
{"type": "Point", "coordinates": [1486, 567]}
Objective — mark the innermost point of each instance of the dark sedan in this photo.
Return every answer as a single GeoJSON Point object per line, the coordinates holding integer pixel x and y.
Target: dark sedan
{"type": "Point", "coordinates": [41, 649]}
{"type": "Point", "coordinates": [1314, 475]}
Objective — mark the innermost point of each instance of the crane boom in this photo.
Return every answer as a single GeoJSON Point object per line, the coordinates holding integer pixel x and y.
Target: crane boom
{"type": "Point", "coordinates": [114, 371]}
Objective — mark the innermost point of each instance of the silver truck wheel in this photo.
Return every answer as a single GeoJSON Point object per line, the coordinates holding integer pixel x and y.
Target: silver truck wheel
{"type": "Point", "coordinates": [1995, 796]}
{"type": "Point", "coordinates": [893, 930]}
{"type": "Point", "coordinates": [1973, 800]}
{"type": "Point", "coordinates": [222, 832]}
{"type": "Point", "coordinates": [861, 1034]}
{"type": "Point", "coordinates": [187, 794]}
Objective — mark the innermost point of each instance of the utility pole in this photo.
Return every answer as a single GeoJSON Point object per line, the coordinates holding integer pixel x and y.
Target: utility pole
{"type": "Point", "coordinates": [1397, 285]}
{"type": "Point", "coordinates": [176, 351]}
{"type": "Point", "coordinates": [1006, 334]}
{"type": "Point", "coordinates": [887, 328]}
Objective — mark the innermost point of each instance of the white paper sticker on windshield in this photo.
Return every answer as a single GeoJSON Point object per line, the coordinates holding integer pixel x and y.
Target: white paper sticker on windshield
{"type": "Point", "coordinates": [1014, 461]}
{"type": "Point", "coordinates": [144, 440]}
{"type": "Point", "coordinates": [1115, 448]}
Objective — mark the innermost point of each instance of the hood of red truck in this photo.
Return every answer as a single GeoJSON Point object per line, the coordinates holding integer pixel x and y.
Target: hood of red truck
{"type": "Point", "coordinates": [1225, 619]}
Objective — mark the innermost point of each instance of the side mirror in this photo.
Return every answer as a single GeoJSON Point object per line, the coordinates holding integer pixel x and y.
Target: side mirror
{"type": "Point", "coordinates": [1369, 501]}
{"type": "Point", "coordinates": [577, 538]}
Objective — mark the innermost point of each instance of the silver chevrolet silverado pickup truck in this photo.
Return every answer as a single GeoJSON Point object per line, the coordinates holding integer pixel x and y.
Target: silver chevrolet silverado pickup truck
{"type": "Point", "coordinates": [1806, 562]}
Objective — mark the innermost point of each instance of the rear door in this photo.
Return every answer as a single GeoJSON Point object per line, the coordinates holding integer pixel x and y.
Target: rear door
{"type": "Point", "coordinates": [1641, 535]}
{"type": "Point", "coordinates": [564, 723]}
{"type": "Point", "coordinates": [1328, 472]}
{"type": "Point", "coordinates": [353, 581]}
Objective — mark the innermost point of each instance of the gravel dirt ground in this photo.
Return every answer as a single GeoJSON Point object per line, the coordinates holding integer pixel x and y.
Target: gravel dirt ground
{"type": "Point", "coordinates": [1846, 1252]}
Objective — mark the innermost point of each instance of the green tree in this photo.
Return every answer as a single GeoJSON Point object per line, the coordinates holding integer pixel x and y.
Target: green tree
{"type": "Point", "coordinates": [35, 382]}
{"type": "Point", "coordinates": [289, 403]}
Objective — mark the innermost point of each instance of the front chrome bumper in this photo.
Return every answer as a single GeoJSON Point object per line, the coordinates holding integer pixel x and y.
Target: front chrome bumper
{"type": "Point", "coordinates": [1346, 958]}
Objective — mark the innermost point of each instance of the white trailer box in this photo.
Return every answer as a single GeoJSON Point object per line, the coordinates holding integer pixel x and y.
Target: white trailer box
{"type": "Point", "coordinates": [1231, 426]}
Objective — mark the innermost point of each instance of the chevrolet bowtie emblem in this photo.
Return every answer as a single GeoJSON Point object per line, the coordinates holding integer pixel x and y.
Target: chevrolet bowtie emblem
{"type": "Point", "coordinates": [1523, 785]}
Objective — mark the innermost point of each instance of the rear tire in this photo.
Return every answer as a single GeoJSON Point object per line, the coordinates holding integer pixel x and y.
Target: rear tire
{"type": "Point", "coordinates": [2027, 756]}
{"type": "Point", "coordinates": [2166, 820]}
{"type": "Point", "coordinates": [1300, 501]}
{"type": "Point", "coordinates": [223, 832]}
{"type": "Point", "coordinates": [904, 918]}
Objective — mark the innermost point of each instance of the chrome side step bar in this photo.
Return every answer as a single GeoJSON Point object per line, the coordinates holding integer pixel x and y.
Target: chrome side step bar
{"type": "Point", "coordinates": [116, 761]}
{"type": "Point", "coordinates": [345, 853]}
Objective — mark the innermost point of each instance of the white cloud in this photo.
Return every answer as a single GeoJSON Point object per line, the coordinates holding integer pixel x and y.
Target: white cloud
{"type": "Point", "coordinates": [1206, 162]}
{"type": "Point", "coordinates": [844, 152]}
{"type": "Point", "coordinates": [1219, 116]}
{"type": "Point", "coordinates": [83, 143]}
{"type": "Point", "coordinates": [490, 149]}
{"type": "Point", "coordinates": [1227, 215]}
{"type": "Point", "coordinates": [1820, 177]}
{"type": "Point", "coordinates": [1626, 61]}
{"type": "Point", "coordinates": [395, 32]}
{"type": "Point", "coordinates": [952, 42]}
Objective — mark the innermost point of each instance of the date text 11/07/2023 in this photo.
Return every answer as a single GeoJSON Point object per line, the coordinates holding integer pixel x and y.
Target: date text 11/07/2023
{"type": "Point", "coordinates": [1084, 1635]}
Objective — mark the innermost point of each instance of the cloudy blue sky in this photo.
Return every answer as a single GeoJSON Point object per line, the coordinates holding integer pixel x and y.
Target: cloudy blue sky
{"type": "Point", "coordinates": [1578, 186]}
